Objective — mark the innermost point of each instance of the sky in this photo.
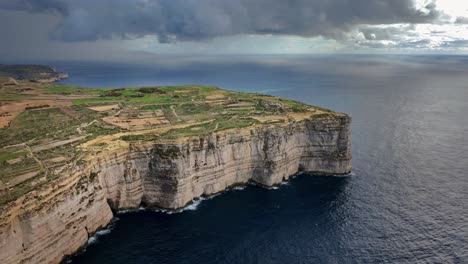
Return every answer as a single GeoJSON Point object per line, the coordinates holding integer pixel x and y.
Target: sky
{"type": "Point", "coordinates": [103, 29]}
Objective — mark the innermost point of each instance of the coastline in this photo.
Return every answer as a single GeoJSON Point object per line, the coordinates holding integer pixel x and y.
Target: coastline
{"type": "Point", "coordinates": [172, 164]}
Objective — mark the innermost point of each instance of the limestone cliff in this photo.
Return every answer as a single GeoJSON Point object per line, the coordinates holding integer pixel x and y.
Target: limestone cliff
{"type": "Point", "coordinates": [48, 224]}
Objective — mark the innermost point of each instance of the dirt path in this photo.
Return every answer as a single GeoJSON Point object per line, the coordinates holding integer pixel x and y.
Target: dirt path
{"type": "Point", "coordinates": [159, 130]}
{"type": "Point", "coordinates": [56, 144]}
{"type": "Point", "coordinates": [175, 114]}
{"type": "Point", "coordinates": [15, 145]}
{"type": "Point", "coordinates": [43, 167]}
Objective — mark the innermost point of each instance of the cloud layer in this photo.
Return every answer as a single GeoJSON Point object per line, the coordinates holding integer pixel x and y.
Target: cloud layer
{"type": "Point", "coordinates": [193, 20]}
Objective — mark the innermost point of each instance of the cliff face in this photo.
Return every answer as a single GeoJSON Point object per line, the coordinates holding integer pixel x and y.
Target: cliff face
{"type": "Point", "coordinates": [46, 225]}
{"type": "Point", "coordinates": [181, 171]}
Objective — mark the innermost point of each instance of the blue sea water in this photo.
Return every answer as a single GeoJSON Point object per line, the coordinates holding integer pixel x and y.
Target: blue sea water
{"type": "Point", "coordinates": [405, 202]}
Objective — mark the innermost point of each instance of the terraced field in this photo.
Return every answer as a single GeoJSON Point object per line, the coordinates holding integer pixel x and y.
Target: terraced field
{"type": "Point", "coordinates": [42, 124]}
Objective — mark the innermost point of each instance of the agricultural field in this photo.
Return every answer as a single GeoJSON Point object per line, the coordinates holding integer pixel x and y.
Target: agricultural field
{"type": "Point", "coordinates": [42, 125]}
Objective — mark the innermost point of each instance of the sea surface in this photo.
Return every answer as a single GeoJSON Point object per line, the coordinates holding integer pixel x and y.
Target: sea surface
{"type": "Point", "coordinates": [405, 202]}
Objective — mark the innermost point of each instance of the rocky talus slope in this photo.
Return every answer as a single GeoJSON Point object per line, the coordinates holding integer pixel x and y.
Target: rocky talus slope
{"type": "Point", "coordinates": [48, 224]}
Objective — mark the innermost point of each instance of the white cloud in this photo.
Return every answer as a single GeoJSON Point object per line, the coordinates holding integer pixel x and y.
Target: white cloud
{"type": "Point", "coordinates": [449, 34]}
{"type": "Point", "coordinates": [454, 8]}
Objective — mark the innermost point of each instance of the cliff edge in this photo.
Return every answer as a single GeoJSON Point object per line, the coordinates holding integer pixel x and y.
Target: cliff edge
{"type": "Point", "coordinates": [100, 151]}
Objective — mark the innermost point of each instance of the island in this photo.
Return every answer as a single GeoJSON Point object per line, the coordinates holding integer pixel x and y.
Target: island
{"type": "Point", "coordinates": [70, 157]}
{"type": "Point", "coordinates": [32, 73]}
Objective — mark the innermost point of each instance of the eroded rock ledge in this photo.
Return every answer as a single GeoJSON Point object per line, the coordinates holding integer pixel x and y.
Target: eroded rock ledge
{"type": "Point", "coordinates": [48, 224]}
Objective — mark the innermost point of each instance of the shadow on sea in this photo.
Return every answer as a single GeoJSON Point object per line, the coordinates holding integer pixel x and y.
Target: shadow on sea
{"type": "Point", "coordinates": [243, 208]}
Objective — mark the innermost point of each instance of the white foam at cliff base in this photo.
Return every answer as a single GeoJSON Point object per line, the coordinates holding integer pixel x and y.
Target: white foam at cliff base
{"type": "Point", "coordinates": [95, 238]}
{"type": "Point", "coordinates": [103, 232]}
{"type": "Point", "coordinates": [92, 240]}
{"type": "Point", "coordinates": [193, 206]}
{"type": "Point", "coordinates": [127, 211]}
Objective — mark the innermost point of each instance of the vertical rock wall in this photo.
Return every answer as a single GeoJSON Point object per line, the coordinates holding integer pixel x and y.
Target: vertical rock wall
{"type": "Point", "coordinates": [48, 224]}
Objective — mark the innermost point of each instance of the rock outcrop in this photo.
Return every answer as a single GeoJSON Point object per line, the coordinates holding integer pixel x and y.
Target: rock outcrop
{"type": "Point", "coordinates": [48, 224]}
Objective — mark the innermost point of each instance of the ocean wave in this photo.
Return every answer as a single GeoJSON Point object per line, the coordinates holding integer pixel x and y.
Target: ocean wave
{"type": "Point", "coordinates": [95, 238]}
{"type": "Point", "coordinates": [192, 206]}
{"type": "Point", "coordinates": [92, 240]}
{"type": "Point", "coordinates": [129, 211]}
{"type": "Point", "coordinates": [239, 188]}
{"type": "Point", "coordinates": [103, 232]}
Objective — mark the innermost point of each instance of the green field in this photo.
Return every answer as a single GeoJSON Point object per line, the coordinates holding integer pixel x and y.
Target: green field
{"type": "Point", "coordinates": [43, 138]}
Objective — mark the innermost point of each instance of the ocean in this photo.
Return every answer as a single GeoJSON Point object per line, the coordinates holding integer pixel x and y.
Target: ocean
{"type": "Point", "coordinates": [406, 200]}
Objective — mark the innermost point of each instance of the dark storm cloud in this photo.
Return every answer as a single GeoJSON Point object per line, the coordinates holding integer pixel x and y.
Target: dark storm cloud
{"type": "Point", "coordinates": [203, 19]}
{"type": "Point", "coordinates": [59, 6]}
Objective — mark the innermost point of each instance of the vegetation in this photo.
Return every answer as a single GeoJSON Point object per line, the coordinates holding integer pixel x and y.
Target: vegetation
{"type": "Point", "coordinates": [13, 155]}
{"type": "Point", "coordinates": [144, 137]}
{"type": "Point", "coordinates": [44, 123]}
{"type": "Point", "coordinates": [207, 128]}
{"type": "Point", "coordinates": [12, 97]}
{"type": "Point", "coordinates": [68, 89]}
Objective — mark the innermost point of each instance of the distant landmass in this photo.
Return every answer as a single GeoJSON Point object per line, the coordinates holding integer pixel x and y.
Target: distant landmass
{"type": "Point", "coordinates": [71, 156]}
{"type": "Point", "coordinates": [33, 73]}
